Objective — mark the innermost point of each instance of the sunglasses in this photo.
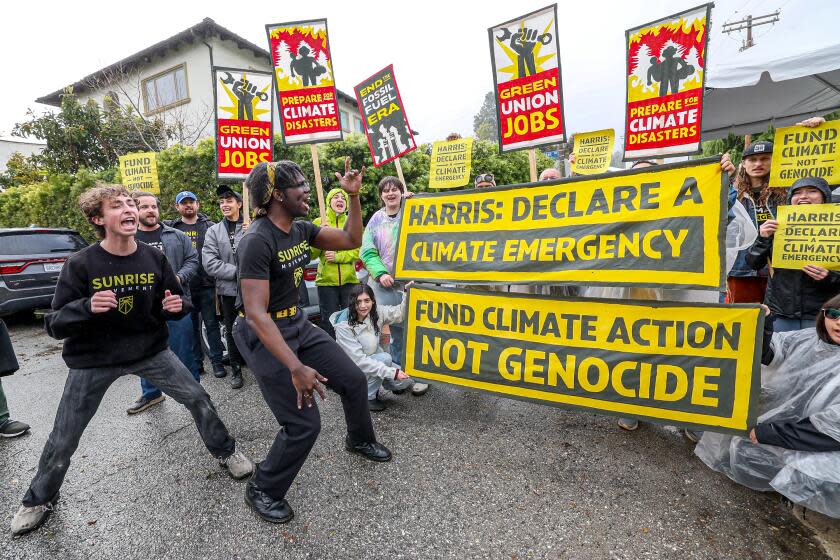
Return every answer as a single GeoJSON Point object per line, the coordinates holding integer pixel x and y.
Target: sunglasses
{"type": "Point", "coordinates": [831, 313]}
{"type": "Point", "coordinates": [486, 178]}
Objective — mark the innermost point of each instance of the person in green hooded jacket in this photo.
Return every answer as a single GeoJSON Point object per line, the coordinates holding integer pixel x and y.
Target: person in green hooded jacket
{"type": "Point", "coordinates": [336, 269]}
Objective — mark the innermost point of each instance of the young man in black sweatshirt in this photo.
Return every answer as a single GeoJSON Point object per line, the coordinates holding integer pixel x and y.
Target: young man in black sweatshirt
{"type": "Point", "coordinates": [111, 305]}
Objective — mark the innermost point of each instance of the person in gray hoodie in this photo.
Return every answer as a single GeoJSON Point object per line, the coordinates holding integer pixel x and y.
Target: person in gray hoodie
{"type": "Point", "coordinates": [184, 261]}
{"type": "Point", "coordinates": [219, 259]}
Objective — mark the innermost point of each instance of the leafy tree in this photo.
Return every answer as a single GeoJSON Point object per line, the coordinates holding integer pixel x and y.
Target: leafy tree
{"type": "Point", "coordinates": [20, 170]}
{"type": "Point", "coordinates": [486, 122]}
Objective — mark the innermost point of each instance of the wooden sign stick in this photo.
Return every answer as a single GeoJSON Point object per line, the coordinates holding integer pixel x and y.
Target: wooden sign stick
{"type": "Point", "coordinates": [532, 161]}
{"type": "Point", "coordinates": [400, 172]}
{"type": "Point", "coordinates": [246, 205]}
{"type": "Point", "coordinates": [316, 167]}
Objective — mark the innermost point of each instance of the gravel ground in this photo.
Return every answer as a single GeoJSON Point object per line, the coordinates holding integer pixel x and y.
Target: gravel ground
{"type": "Point", "coordinates": [473, 476]}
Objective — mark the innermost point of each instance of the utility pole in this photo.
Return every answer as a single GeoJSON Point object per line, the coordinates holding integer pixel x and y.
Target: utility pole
{"type": "Point", "coordinates": [748, 23]}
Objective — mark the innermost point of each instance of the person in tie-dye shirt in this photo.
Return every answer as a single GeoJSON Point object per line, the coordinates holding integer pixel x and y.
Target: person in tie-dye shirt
{"type": "Point", "coordinates": [379, 247]}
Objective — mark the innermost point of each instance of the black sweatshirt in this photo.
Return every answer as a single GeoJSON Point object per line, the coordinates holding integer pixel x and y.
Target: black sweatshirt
{"type": "Point", "coordinates": [133, 331]}
{"type": "Point", "coordinates": [799, 436]}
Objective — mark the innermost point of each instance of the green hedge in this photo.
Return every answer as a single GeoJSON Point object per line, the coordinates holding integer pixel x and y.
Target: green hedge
{"type": "Point", "coordinates": [52, 203]}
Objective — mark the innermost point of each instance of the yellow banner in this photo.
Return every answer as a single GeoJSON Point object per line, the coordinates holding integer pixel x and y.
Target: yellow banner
{"type": "Point", "coordinates": [451, 164]}
{"type": "Point", "coordinates": [801, 151]}
{"type": "Point", "coordinates": [139, 172]}
{"type": "Point", "coordinates": [661, 226]}
{"type": "Point", "coordinates": [593, 151]}
{"type": "Point", "coordinates": [689, 365]}
{"type": "Point", "coordinates": [807, 234]}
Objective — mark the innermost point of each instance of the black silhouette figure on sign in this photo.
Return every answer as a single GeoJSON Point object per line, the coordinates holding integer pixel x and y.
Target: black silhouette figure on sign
{"type": "Point", "coordinates": [245, 93]}
{"type": "Point", "coordinates": [523, 43]}
{"type": "Point", "coordinates": [306, 67]}
{"type": "Point", "coordinates": [669, 72]}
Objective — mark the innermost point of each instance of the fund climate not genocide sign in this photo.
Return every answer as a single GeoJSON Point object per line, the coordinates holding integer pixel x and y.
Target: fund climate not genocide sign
{"type": "Point", "coordinates": [386, 124]}
{"type": "Point", "coordinates": [690, 365]}
{"type": "Point", "coordinates": [303, 75]}
{"type": "Point", "coordinates": [666, 73]}
{"type": "Point", "coordinates": [801, 151]}
{"type": "Point", "coordinates": [139, 172]}
{"type": "Point", "coordinates": [660, 227]}
{"type": "Point", "coordinates": [526, 70]}
{"type": "Point", "coordinates": [244, 116]}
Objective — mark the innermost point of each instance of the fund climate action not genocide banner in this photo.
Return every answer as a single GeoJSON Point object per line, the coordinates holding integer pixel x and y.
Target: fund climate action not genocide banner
{"type": "Point", "coordinates": [666, 73]}
{"type": "Point", "coordinates": [303, 75]}
{"type": "Point", "coordinates": [244, 117]}
{"type": "Point", "coordinates": [526, 71]}
{"type": "Point", "coordinates": [139, 172]}
{"type": "Point", "coordinates": [801, 151]}
{"type": "Point", "coordinates": [593, 151]}
{"type": "Point", "coordinates": [450, 164]}
{"type": "Point", "coordinates": [807, 234]}
{"type": "Point", "coordinates": [386, 124]}
{"type": "Point", "coordinates": [690, 365]}
{"type": "Point", "coordinates": [658, 226]}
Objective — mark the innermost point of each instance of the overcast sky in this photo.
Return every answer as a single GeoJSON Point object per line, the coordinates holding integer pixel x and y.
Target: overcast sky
{"type": "Point", "coordinates": [439, 48]}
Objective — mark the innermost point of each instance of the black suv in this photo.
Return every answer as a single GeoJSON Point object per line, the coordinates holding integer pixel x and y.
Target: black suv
{"type": "Point", "coordinates": [30, 260]}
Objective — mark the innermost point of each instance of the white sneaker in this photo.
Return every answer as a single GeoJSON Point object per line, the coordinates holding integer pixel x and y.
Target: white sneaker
{"type": "Point", "coordinates": [419, 388]}
{"type": "Point", "coordinates": [238, 465]}
{"type": "Point", "coordinates": [629, 424]}
{"type": "Point", "coordinates": [29, 518]}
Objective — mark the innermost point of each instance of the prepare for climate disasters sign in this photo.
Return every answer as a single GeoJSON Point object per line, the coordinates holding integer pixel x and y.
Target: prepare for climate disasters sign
{"type": "Point", "coordinates": [660, 227]}
{"type": "Point", "coordinates": [139, 172]}
{"type": "Point", "coordinates": [243, 121]}
{"type": "Point", "coordinates": [666, 73]}
{"type": "Point", "coordinates": [303, 75]}
{"type": "Point", "coordinates": [386, 124]}
{"type": "Point", "coordinates": [451, 164]}
{"type": "Point", "coordinates": [807, 234]}
{"type": "Point", "coordinates": [526, 71]}
{"type": "Point", "coordinates": [695, 366]}
{"type": "Point", "coordinates": [593, 152]}
{"type": "Point", "coordinates": [801, 151]}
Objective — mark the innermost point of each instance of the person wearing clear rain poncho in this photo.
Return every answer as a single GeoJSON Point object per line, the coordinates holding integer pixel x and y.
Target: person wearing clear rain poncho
{"type": "Point", "coordinates": [794, 448]}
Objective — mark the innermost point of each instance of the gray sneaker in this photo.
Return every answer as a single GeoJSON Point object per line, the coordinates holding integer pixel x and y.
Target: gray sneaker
{"type": "Point", "coordinates": [29, 518]}
{"type": "Point", "coordinates": [419, 388]}
{"type": "Point", "coordinates": [238, 465]}
{"type": "Point", "coordinates": [397, 386]}
{"type": "Point", "coordinates": [13, 428]}
{"type": "Point", "coordinates": [629, 424]}
{"type": "Point", "coordinates": [142, 404]}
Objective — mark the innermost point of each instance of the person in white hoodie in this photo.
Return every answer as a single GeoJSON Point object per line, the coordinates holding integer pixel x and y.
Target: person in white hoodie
{"type": "Point", "coordinates": [357, 330]}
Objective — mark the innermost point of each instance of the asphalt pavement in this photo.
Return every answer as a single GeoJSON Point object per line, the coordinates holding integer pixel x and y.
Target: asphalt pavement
{"type": "Point", "coordinates": [473, 476]}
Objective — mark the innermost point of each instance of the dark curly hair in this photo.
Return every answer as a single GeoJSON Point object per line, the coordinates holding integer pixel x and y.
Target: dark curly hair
{"type": "Point", "coordinates": [266, 177]}
{"type": "Point", "coordinates": [353, 315]}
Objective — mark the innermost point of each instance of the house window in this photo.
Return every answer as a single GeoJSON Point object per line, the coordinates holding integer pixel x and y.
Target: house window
{"type": "Point", "coordinates": [358, 122]}
{"type": "Point", "coordinates": [345, 121]}
{"type": "Point", "coordinates": [167, 89]}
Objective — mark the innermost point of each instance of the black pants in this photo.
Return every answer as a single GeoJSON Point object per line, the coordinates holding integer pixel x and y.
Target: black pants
{"type": "Point", "coordinates": [229, 317]}
{"type": "Point", "coordinates": [300, 428]}
{"type": "Point", "coordinates": [83, 392]}
{"type": "Point", "coordinates": [330, 300]}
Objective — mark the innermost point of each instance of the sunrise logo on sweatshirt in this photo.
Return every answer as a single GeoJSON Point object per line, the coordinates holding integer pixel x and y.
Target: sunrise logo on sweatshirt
{"type": "Point", "coordinates": [144, 280]}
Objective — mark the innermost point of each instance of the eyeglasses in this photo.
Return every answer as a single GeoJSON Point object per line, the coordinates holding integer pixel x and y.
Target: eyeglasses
{"type": "Point", "coordinates": [302, 185]}
{"type": "Point", "coordinates": [831, 313]}
{"type": "Point", "coordinates": [486, 178]}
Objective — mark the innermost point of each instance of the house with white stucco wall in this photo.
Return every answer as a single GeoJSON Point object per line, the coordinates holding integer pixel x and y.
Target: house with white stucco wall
{"type": "Point", "coordinates": [173, 80]}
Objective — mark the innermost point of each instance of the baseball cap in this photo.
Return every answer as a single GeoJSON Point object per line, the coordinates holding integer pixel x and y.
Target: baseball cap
{"type": "Point", "coordinates": [227, 190]}
{"type": "Point", "coordinates": [179, 198]}
{"type": "Point", "coordinates": [760, 147]}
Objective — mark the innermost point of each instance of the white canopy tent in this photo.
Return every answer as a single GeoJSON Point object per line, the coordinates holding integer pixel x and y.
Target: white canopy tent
{"type": "Point", "coordinates": [751, 90]}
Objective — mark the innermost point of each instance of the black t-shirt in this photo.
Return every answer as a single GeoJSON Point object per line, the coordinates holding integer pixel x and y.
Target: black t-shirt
{"type": "Point", "coordinates": [231, 229]}
{"type": "Point", "coordinates": [151, 238]}
{"type": "Point", "coordinates": [191, 231]}
{"type": "Point", "coordinates": [136, 329]}
{"type": "Point", "coordinates": [196, 233]}
{"type": "Point", "coordinates": [268, 253]}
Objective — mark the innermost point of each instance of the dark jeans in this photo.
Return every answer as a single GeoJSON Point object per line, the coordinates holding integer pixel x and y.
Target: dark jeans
{"type": "Point", "coordinates": [83, 392]}
{"type": "Point", "coordinates": [204, 309]}
{"type": "Point", "coordinates": [330, 300]}
{"type": "Point", "coordinates": [4, 407]}
{"type": "Point", "coordinates": [229, 315]}
{"type": "Point", "coordinates": [181, 343]}
{"type": "Point", "coordinates": [300, 428]}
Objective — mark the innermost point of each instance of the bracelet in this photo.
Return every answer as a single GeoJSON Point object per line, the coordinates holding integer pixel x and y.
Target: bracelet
{"type": "Point", "coordinates": [352, 195]}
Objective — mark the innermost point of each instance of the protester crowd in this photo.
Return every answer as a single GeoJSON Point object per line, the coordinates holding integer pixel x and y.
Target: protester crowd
{"type": "Point", "coordinates": [248, 269]}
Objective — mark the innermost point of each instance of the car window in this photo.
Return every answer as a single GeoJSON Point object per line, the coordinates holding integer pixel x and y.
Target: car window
{"type": "Point", "coordinates": [33, 243]}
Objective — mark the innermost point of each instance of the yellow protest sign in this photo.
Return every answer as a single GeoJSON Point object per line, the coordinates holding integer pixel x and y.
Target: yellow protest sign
{"type": "Point", "coordinates": [659, 226]}
{"type": "Point", "coordinates": [451, 164]}
{"type": "Point", "coordinates": [692, 365]}
{"type": "Point", "coordinates": [139, 172]}
{"type": "Point", "coordinates": [593, 151]}
{"type": "Point", "coordinates": [807, 234]}
{"type": "Point", "coordinates": [801, 151]}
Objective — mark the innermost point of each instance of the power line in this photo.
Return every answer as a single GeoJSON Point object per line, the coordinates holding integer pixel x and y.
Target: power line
{"type": "Point", "coordinates": [747, 24]}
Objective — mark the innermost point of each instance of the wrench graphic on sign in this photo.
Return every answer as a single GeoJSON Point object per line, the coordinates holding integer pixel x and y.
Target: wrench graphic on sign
{"type": "Point", "coordinates": [245, 92]}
